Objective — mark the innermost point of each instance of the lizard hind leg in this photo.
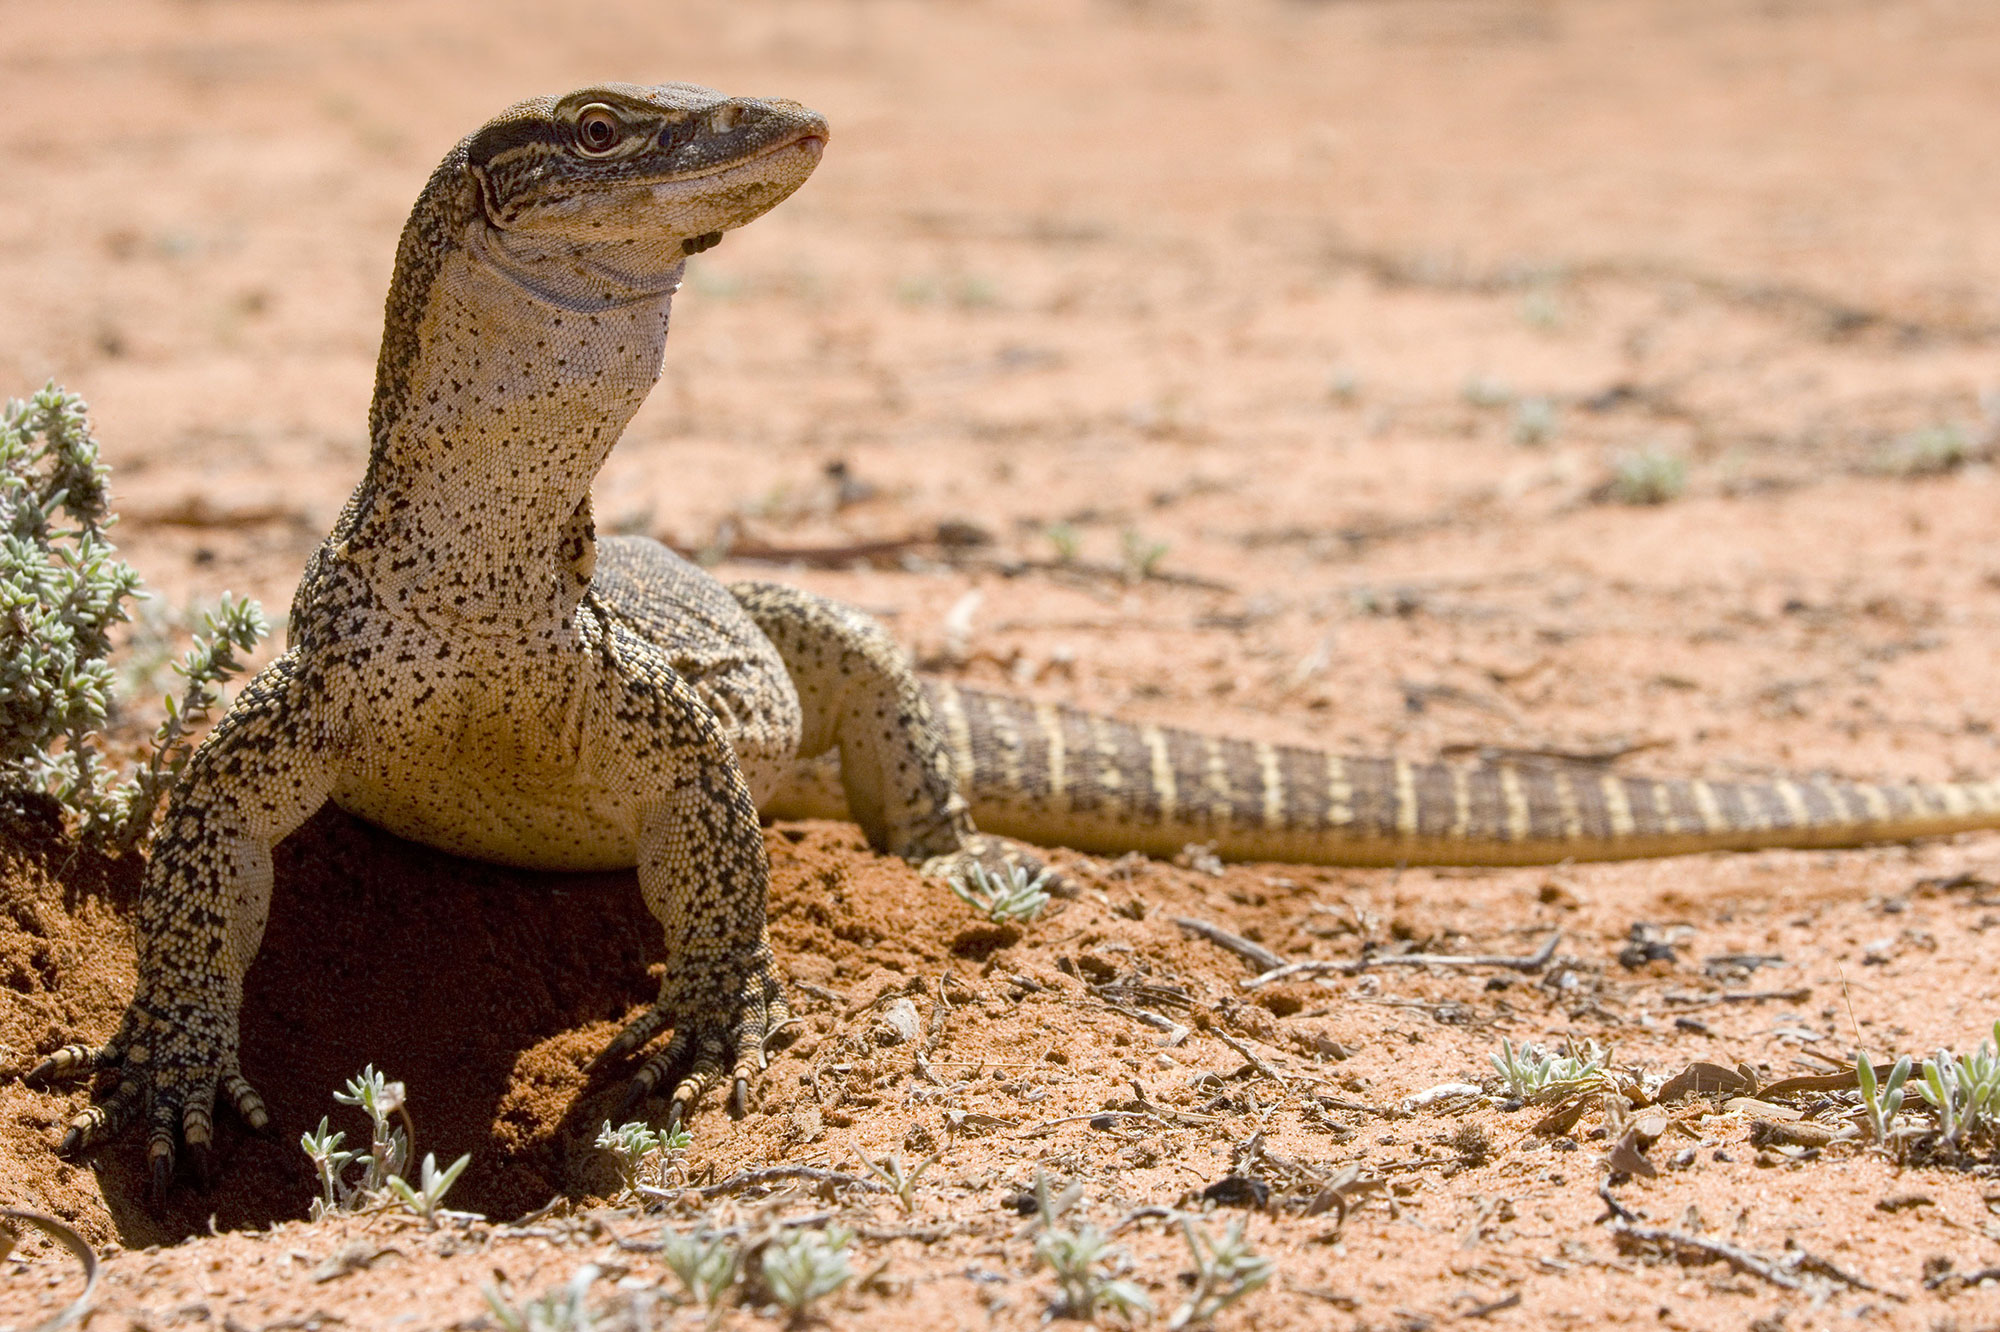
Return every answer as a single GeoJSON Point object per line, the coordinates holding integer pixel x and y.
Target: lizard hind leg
{"type": "Point", "coordinates": [870, 741]}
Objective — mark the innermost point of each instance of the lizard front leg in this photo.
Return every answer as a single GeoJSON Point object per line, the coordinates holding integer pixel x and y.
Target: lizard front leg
{"type": "Point", "coordinates": [859, 696]}
{"type": "Point", "coordinates": [207, 895]}
{"type": "Point", "coordinates": [705, 876]}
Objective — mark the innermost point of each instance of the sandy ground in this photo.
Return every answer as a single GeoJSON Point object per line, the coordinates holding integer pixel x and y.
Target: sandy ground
{"type": "Point", "coordinates": [1338, 318]}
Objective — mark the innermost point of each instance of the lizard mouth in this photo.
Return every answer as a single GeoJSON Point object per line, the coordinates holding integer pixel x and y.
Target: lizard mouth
{"type": "Point", "coordinates": [812, 141]}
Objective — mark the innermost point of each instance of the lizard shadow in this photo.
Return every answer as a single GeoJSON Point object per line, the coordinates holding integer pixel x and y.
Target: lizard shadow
{"type": "Point", "coordinates": [484, 989]}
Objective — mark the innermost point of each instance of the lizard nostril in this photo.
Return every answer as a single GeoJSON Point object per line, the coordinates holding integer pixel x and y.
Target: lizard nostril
{"type": "Point", "coordinates": [725, 117]}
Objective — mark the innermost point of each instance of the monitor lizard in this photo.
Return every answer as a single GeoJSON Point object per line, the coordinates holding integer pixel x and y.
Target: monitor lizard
{"type": "Point", "coordinates": [470, 666]}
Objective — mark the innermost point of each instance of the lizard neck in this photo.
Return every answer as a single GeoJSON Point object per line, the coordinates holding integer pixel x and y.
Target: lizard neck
{"type": "Point", "coordinates": [506, 377]}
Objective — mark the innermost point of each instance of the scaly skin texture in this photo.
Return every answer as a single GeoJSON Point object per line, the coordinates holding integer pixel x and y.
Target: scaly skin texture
{"type": "Point", "coordinates": [1047, 773]}
{"type": "Point", "coordinates": [461, 670]}
{"type": "Point", "coordinates": [470, 667]}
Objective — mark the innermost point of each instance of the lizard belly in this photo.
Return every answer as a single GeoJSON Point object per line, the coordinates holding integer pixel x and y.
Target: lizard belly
{"type": "Point", "coordinates": [504, 761]}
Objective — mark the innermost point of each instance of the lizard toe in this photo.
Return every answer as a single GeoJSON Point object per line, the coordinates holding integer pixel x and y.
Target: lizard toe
{"type": "Point", "coordinates": [104, 1118]}
{"type": "Point", "coordinates": [71, 1062]}
{"type": "Point", "coordinates": [654, 1072]}
{"type": "Point", "coordinates": [201, 1161]}
{"type": "Point", "coordinates": [250, 1107]}
{"type": "Point", "coordinates": [707, 1069]}
{"type": "Point", "coordinates": [634, 1036]}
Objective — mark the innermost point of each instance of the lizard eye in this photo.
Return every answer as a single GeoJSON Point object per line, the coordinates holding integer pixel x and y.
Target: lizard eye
{"type": "Point", "coordinates": [597, 130]}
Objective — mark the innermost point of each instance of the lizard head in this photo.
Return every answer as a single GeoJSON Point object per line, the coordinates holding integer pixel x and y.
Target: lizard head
{"type": "Point", "coordinates": [654, 173]}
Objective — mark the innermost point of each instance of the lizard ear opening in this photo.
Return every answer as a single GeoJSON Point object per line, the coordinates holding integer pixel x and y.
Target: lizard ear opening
{"type": "Point", "coordinates": [489, 203]}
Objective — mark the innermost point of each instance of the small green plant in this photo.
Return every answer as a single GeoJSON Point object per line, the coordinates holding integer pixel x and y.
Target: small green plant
{"type": "Point", "coordinates": [1931, 451]}
{"type": "Point", "coordinates": [1082, 1288]}
{"type": "Point", "coordinates": [1963, 1092]}
{"type": "Point", "coordinates": [1004, 895]}
{"type": "Point", "coordinates": [1647, 476]}
{"type": "Point", "coordinates": [1343, 385]}
{"type": "Point", "coordinates": [705, 1262]}
{"type": "Point", "coordinates": [1880, 1103]}
{"type": "Point", "coordinates": [1534, 422]}
{"type": "Point", "coordinates": [804, 1266]}
{"type": "Point", "coordinates": [1528, 1071]}
{"type": "Point", "coordinates": [1068, 545]}
{"type": "Point", "coordinates": [1142, 553]}
{"type": "Point", "coordinates": [330, 1163]}
{"type": "Point", "coordinates": [1486, 391]}
{"type": "Point", "coordinates": [1074, 1257]}
{"type": "Point", "coordinates": [432, 1185]}
{"type": "Point", "coordinates": [902, 1180]}
{"type": "Point", "coordinates": [635, 1145]}
{"type": "Point", "coordinates": [1541, 309]}
{"type": "Point", "coordinates": [559, 1310]}
{"type": "Point", "coordinates": [382, 1165]}
{"type": "Point", "coordinates": [1225, 1271]}
{"type": "Point", "coordinates": [62, 589]}
{"type": "Point", "coordinates": [388, 1148]}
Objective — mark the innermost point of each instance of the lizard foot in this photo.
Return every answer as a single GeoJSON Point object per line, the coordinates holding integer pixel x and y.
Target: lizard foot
{"type": "Point", "coordinates": [158, 1072]}
{"type": "Point", "coordinates": [722, 1014]}
{"type": "Point", "coordinates": [999, 856]}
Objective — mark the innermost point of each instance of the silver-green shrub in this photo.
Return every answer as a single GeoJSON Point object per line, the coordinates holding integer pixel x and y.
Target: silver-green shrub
{"type": "Point", "coordinates": [62, 589]}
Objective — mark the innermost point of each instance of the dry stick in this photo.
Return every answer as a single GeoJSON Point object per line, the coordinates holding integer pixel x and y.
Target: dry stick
{"type": "Point", "coordinates": [1737, 997]}
{"type": "Point", "coordinates": [1256, 1062]}
{"type": "Point", "coordinates": [749, 550]}
{"type": "Point", "coordinates": [70, 1240]}
{"type": "Point", "coordinates": [1535, 961]}
{"type": "Point", "coordinates": [744, 1179]}
{"type": "Point", "coordinates": [1254, 953]}
{"type": "Point", "coordinates": [1741, 1259]}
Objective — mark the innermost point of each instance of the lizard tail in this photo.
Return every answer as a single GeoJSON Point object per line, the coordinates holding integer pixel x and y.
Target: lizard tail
{"type": "Point", "coordinates": [1054, 775]}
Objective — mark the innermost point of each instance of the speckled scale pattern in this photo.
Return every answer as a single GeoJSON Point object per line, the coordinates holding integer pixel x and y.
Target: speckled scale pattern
{"type": "Point", "coordinates": [468, 666]}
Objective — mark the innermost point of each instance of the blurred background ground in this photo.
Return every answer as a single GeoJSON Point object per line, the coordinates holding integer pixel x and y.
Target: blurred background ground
{"type": "Point", "coordinates": [1281, 361]}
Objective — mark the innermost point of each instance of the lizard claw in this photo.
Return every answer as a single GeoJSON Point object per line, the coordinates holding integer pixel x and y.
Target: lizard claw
{"type": "Point", "coordinates": [706, 1042]}
{"type": "Point", "coordinates": [202, 1161]}
{"type": "Point", "coordinates": [160, 1160]}
{"type": "Point", "coordinates": [172, 1080]}
{"type": "Point", "coordinates": [72, 1061]}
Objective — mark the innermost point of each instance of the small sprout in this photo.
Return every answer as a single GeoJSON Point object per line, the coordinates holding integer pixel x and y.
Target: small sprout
{"type": "Point", "coordinates": [1010, 894]}
{"type": "Point", "coordinates": [432, 1186]}
{"type": "Point", "coordinates": [1964, 1093]}
{"type": "Point", "coordinates": [1225, 1271]}
{"type": "Point", "coordinates": [1142, 554]}
{"type": "Point", "coordinates": [1534, 422]}
{"type": "Point", "coordinates": [1931, 451]}
{"type": "Point", "coordinates": [1530, 1072]}
{"type": "Point", "coordinates": [388, 1149]}
{"type": "Point", "coordinates": [902, 1180]}
{"type": "Point", "coordinates": [634, 1143]}
{"type": "Point", "coordinates": [1066, 542]}
{"type": "Point", "coordinates": [330, 1162]}
{"type": "Point", "coordinates": [1485, 391]}
{"type": "Point", "coordinates": [916, 290]}
{"type": "Point", "coordinates": [805, 1266]}
{"type": "Point", "coordinates": [1541, 310]}
{"type": "Point", "coordinates": [559, 1310]}
{"type": "Point", "coordinates": [1343, 385]}
{"type": "Point", "coordinates": [704, 1261]}
{"type": "Point", "coordinates": [1880, 1104]}
{"type": "Point", "coordinates": [973, 292]}
{"type": "Point", "coordinates": [1647, 476]}
{"type": "Point", "coordinates": [1081, 1288]}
